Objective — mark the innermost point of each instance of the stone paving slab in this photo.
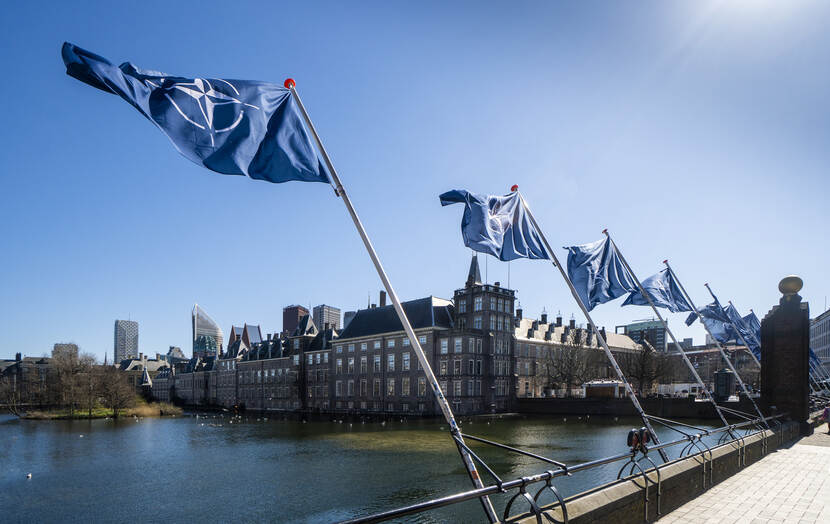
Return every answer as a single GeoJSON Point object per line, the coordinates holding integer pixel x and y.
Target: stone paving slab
{"type": "Point", "coordinates": [789, 485]}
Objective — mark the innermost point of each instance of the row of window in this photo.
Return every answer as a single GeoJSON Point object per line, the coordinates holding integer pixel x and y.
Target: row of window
{"type": "Point", "coordinates": [376, 406]}
{"type": "Point", "coordinates": [496, 304]}
{"type": "Point", "coordinates": [391, 390]}
{"type": "Point", "coordinates": [376, 364]}
{"type": "Point", "coordinates": [376, 344]}
{"type": "Point", "coordinates": [474, 367]}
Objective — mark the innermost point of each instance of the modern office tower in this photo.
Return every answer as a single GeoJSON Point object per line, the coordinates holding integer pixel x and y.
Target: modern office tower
{"type": "Point", "coordinates": [291, 316]}
{"type": "Point", "coordinates": [820, 338]}
{"type": "Point", "coordinates": [324, 314]}
{"type": "Point", "coordinates": [207, 335]}
{"type": "Point", "coordinates": [125, 343]}
{"type": "Point", "coordinates": [649, 330]}
{"type": "Point", "coordinates": [65, 349]}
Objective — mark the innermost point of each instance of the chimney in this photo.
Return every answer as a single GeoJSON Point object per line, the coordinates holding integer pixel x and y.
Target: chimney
{"type": "Point", "coordinates": [572, 324]}
{"type": "Point", "coordinates": [564, 337]}
{"type": "Point", "coordinates": [519, 313]}
{"type": "Point", "coordinates": [382, 301]}
{"type": "Point", "coordinates": [373, 306]}
{"type": "Point", "coordinates": [140, 355]}
{"type": "Point", "coordinates": [559, 320]}
{"type": "Point", "coordinates": [602, 332]}
{"type": "Point", "coordinates": [497, 284]}
{"type": "Point", "coordinates": [544, 317]}
{"type": "Point", "coordinates": [269, 336]}
{"type": "Point", "coordinates": [18, 357]}
{"type": "Point", "coordinates": [326, 325]}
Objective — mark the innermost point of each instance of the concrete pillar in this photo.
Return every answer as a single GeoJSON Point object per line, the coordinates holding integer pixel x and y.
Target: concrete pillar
{"type": "Point", "coordinates": [785, 343]}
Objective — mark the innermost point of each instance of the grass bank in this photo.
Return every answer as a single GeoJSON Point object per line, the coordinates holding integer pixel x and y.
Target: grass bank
{"type": "Point", "coordinates": [141, 409]}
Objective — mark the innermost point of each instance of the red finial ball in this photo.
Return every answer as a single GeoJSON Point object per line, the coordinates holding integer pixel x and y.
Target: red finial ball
{"type": "Point", "coordinates": [666, 261]}
{"type": "Point", "coordinates": [604, 231]}
{"type": "Point", "coordinates": [289, 83]}
{"type": "Point", "coordinates": [514, 187]}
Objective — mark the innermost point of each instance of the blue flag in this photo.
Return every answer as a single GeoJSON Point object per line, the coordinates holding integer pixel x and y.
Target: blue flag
{"type": "Point", "coordinates": [597, 273]}
{"type": "Point", "coordinates": [752, 323]}
{"type": "Point", "coordinates": [234, 127]}
{"type": "Point", "coordinates": [711, 311]}
{"type": "Point", "coordinates": [497, 225]}
{"type": "Point", "coordinates": [663, 291]}
{"type": "Point", "coordinates": [744, 332]}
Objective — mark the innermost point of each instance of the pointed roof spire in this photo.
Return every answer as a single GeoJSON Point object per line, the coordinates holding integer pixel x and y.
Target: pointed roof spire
{"type": "Point", "coordinates": [474, 275]}
{"type": "Point", "coordinates": [145, 379]}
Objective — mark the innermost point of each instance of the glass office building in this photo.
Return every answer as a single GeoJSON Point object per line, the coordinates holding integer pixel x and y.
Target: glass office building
{"type": "Point", "coordinates": [207, 335]}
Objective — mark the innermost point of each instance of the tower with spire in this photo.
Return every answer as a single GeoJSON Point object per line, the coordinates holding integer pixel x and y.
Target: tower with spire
{"type": "Point", "coordinates": [475, 361]}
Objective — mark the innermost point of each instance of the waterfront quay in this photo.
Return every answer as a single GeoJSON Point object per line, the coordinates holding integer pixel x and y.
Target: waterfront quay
{"type": "Point", "coordinates": [790, 485]}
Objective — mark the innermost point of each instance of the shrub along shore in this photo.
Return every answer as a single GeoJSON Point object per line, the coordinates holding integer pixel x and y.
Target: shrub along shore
{"type": "Point", "coordinates": [141, 409]}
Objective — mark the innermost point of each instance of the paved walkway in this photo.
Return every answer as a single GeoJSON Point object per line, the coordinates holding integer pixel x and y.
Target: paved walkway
{"type": "Point", "coordinates": [790, 485]}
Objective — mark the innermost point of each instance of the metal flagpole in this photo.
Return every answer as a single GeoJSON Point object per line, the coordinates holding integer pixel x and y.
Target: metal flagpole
{"type": "Point", "coordinates": [600, 338]}
{"type": "Point", "coordinates": [393, 297]}
{"type": "Point", "coordinates": [720, 348]}
{"type": "Point", "coordinates": [666, 327]}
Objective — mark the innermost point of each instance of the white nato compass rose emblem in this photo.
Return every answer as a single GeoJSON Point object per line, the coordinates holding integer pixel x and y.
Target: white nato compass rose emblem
{"type": "Point", "coordinates": [219, 108]}
{"type": "Point", "coordinates": [497, 221]}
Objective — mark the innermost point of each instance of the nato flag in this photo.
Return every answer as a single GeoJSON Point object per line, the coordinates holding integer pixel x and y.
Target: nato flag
{"type": "Point", "coordinates": [497, 225]}
{"type": "Point", "coordinates": [234, 127]}
{"type": "Point", "coordinates": [598, 273]}
{"type": "Point", "coordinates": [663, 291]}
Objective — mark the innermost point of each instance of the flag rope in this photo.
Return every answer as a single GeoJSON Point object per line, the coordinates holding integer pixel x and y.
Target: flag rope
{"type": "Point", "coordinates": [410, 333]}
{"type": "Point", "coordinates": [717, 343]}
{"type": "Point", "coordinates": [688, 362]}
{"type": "Point", "coordinates": [628, 389]}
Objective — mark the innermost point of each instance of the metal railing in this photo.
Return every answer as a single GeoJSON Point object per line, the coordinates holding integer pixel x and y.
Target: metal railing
{"type": "Point", "coordinates": [693, 445]}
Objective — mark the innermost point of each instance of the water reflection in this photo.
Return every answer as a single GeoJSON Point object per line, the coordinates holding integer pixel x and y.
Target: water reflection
{"type": "Point", "coordinates": [215, 469]}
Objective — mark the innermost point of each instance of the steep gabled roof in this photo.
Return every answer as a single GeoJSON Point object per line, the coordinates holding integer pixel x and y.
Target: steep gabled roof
{"type": "Point", "coordinates": [422, 313]}
{"type": "Point", "coordinates": [306, 327]}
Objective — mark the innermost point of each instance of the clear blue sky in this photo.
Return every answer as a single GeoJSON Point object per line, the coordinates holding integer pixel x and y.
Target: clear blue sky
{"type": "Point", "coordinates": [694, 131]}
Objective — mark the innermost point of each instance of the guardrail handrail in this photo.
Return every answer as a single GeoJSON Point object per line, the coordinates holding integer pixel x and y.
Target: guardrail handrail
{"type": "Point", "coordinates": [523, 482]}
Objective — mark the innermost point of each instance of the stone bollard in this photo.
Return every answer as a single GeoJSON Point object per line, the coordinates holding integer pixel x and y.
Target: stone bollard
{"type": "Point", "coordinates": [785, 354]}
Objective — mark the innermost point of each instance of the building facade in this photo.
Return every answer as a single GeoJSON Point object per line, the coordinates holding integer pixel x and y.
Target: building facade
{"type": "Point", "coordinates": [326, 315]}
{"type": "Point", "coordinates": [208, 338]}
{"type": "Point", "coordinates": [651, 331]}
{"type": "Point", "coordinates": [125, 344]}
{"type": "Point", "coordinates": [820, 338]}
{"type": "Point", "coordinates": [67, 349]}
{"type": "Point", "coordinates": [370, 366]}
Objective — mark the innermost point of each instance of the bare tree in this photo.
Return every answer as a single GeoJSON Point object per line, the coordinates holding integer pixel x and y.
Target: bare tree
{"type": "Point", "coordinates": [644, 368]}
{"type": "Point", "coordinates": [88, 381]}
{"type": "Point", "coordinates": [116, 390]}
{"type": "Point", "coordinates": [11, 395]}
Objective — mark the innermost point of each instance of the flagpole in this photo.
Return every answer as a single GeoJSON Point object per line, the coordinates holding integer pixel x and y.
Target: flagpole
{"type": "Point", "coordinates": [666, 327]}
{"type": "Point", "coordinates": [393, 297]}
{"type": "Point", "coordinates": [738, 331]}
{"type": "Point", "coordinates": [720, 348]}
{"type": "Point", "coordinates": [600, 338]}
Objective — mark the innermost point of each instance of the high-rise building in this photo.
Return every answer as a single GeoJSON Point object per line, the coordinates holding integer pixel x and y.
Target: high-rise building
{"type": "Point", "coordinates": [125, 343]}
{"type": "Point", "coordinates": [291, 316]}
{"type": "Point", "coordinates": [651, 331]}
{"type": "Point", "coordinates": [65, 349]}
{"type": "Point", "coordinates": [820, 338]}
{"type": "Point", "coordinates": [324, 314]}
{"type": "Point", "coordinates": [207, 335]}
